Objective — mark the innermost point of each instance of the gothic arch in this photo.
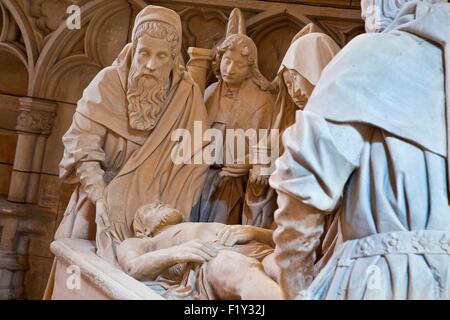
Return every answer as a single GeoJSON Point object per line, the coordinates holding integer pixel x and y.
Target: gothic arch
{"type": "Point", "coordinates": [272, 35]}
{"type": "Point", "coordinates": [86, 50]}
{"type": "Point", "coordinates": [13, 58]}
{"type": "Point", "coordinates": [27, 32]}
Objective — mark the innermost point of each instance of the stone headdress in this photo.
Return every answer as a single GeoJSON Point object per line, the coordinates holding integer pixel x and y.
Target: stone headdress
{"type": "Point", "coordinates": [236, 34]}
{"type": "Point", "coordinates": [309, 55]}
{"type": "Point", "coordinates": [161, 14]}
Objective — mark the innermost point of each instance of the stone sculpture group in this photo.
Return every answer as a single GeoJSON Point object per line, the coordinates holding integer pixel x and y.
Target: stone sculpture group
{"type": "Point", "coordinates": [361, 181]}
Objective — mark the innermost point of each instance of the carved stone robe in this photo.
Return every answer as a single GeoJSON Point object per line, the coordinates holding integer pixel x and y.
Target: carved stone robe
{"type": "Point", "coordinates": [97, 145]}
{"type": "Point", "coordinates": [247, 107]}
{"type": "Point", "coordinates": [308, 56]}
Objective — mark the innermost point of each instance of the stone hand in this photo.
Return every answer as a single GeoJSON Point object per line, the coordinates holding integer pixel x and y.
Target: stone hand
{"type": "Point", "coordinates": [91, 174]}
{"type": "Point", "coordinates": [236, 234]}
{"type": "Point", "coordinates": [101, 214]}
{"type": "Point", "coordinates": [193, 251]}
{"type": "Point", "coordinates": [257, 178]}
{"type": "Point", "coordinates": [235, 170]}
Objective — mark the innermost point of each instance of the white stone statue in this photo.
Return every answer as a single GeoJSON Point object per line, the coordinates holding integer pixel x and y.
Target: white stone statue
{"type": "Point", "coordinates": [118, 148]}
{"type": "Point", "coordinates": [302, 66]}
{"type": "Point", "coordinates": [373, 139]}
{"type": "Point", "coordinates": [184, 260]}
{"type": "Point", "coordinates": [240, 100]}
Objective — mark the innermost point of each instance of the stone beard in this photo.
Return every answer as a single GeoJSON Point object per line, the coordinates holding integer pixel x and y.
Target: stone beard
{"type": "Point", "coordinates": [146, 96]}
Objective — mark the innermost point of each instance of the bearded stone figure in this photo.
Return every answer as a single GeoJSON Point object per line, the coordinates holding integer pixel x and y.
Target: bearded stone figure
{"type": "Point", "coordinates": [118, 148]}
{"type": "Point", "coordinates": [372, 139]}
{"type": "Point", "coordinates": [240, 100]}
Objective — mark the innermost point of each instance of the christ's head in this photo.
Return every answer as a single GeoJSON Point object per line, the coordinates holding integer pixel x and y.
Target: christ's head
{"type": "Point", "coordinates": [150, 219]}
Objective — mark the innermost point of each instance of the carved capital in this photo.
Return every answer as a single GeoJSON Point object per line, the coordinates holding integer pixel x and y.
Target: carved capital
{"type": "Point", "coordinates": [199, 62]}
{"type": "Point", "coordinates": [199, 55]}
{"type": "Point", "coordinates": [36, 116]}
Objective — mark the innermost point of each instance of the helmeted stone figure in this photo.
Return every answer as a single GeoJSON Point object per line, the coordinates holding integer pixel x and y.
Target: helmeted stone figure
{"type": "Point", "coordinates": [373, 137]}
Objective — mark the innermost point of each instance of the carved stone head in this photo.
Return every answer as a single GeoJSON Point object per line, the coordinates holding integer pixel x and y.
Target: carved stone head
{"type": "Point", "coordinates": [298, 87]}
{"type": "Point", "coordinates": [237, 61]}
{"type": "Point", "coordinates": [378, 14]}
{"type": "Point", "coordinates": [303, 64]}
{"type": "Point", "coordinates": [156, 45]}
{"type": "Point", "coordinates": [151, 218]}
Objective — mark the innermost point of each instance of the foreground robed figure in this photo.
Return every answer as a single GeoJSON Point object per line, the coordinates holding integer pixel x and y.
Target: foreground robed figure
{"type": "Point", "coordinates": [373, 137]}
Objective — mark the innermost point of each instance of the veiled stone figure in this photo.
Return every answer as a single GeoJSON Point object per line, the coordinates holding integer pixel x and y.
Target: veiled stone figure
{"type": "Point", "coordinates": [300, 71]}
{"type": "Point", "coordinates": [241, 100]}
{"type": "Point", "coordinates": [373, 138]}
{"type": "Point", "coordinates": [307, 57]}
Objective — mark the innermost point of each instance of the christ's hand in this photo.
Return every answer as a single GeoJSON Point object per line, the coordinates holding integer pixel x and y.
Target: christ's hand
{"type": "Point", "coordinates": [193, 251]}
{"type": "Point", "coordinates": [236, 234]}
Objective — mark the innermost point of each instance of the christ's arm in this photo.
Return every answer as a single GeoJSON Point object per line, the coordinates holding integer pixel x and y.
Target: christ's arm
{"type": "Point", "coordinates": [140, 260]}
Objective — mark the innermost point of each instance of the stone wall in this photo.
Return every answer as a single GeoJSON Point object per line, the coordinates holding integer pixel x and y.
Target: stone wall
{"type": "Point", "coordinates": [44, 68]}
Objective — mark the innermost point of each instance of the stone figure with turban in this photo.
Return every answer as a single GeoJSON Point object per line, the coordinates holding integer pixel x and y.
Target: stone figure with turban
{"type": "Point", "coordinates": [118, 148]}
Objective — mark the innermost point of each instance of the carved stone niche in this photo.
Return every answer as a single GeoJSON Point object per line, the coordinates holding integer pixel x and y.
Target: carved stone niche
{"type": "Point", "coordinates": [202, 28]}
{"type": "Point", "coordinates": [342, 30]}
{"type": "Point", "coordinates": [34, 124]}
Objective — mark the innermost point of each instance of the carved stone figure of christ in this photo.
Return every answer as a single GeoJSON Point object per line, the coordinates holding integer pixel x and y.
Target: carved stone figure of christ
{"type": "Point", "coordinates": [226, 262]}
{"type": "Point", "coordinates": [240, 100]}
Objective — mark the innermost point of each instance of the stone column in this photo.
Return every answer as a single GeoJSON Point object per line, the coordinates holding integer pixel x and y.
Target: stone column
{"type": "Point", "coordinates": [34, 124]}
{"type": "Point", "coordinates": [199, 62]}
{"type": "Point", "coordinates": [13, 260]}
